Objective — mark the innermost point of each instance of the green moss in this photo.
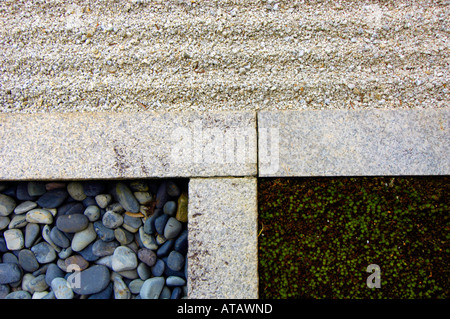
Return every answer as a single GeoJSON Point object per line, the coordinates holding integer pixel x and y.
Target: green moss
{"type": "Point", "coordinates": [317, 237]}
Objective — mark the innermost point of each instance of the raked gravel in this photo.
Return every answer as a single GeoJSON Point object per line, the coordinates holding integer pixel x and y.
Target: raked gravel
{"type": "Point", "coordinates": [223, 55]}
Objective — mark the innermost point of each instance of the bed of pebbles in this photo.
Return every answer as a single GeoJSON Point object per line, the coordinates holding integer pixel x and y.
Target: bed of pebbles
{"type": "Point", "coordinates": [93, 239]}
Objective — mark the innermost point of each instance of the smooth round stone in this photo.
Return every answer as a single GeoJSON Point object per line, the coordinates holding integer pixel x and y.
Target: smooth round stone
{"type": "Point", "coordinates": [144, 198]}
{"type": "Point", "coordinates": [4, 290]}
{"type": "Point", "coordinates": [120, 289]}
{"type": "Point", "coordinates": [39, 216]}
{"type": "Point", "coordinates": [165, 293]}
{"type": "Point", "coordinates": [44, 252]}
{"type": "Point", "coordinates": [65, 252]}
{"type": "Point", "coordinates": [173, 228]}
{"type": "Point", "coordinates": [3, 247]}
{"type": "Point", "coordinates": [46, 235]}
{"type": "Point", "coordinates": [76, 262]}
{"type": "Point", "coordinates": [53, 271]}
{"type": "Point", "coordinates": [25, 207]}
{"type": "Point", "coordinates": [4, 222]}
{"type": "Point", "coordinates": [175, 260]}
{"type": "Point", "coordinates": [148, 241]}
{"type": "Point", "coordinates": [14, 239]}
{"type": "Point", "coordinates": [170, 208]}
{"type": "Point", "coordinates": [123, 236]}
{"type": "Point", "coordinates": [36, 188]}
{"type": "Point", "coordinates": [144, 272]}
{"type": "Point", "coordinates": [131, 224]}
{"type": "Point", "coordinates": [165, 248]}
{"type": "Point", "coordinates": [181, 243]}
{"type": "Point", "coordinates": [31, 233]}
{"type": "Point", "coordinates": [147, 256]}
{"type": "Point", "coordinates": [61, 289]}
{"type": "Point", "coordinates": [20, 294]}
{"type": "Point", "coordinates": [71, 208]}
{"type": "Point", "coordinates": [93, 188]}
{"type": "Point", "coordinates": [22, 192]}
{"type": "Point", "coordinates": [151, 288]}
{"type": "Point", "coordinates": [104, 294]}
{"type": "Point", "coordinates": [175, 281]}
{"type": "Point", "coordinates": [52, 198]}
{"type": "Point", "coordinates": [161, 195]}
{"type": "Point", "coordinates": [135, 286]}
{"type": "Point", "coordinates": [176, 293]}
{"type": "Point", "coordinates": [126, 198]}
{"type": "Point", "coordinates": [75, 190]}
{"type": "Point", "coordinates": [92, 212]}
{"type": "Point", "coordinates": [172, 189]}
{"type": "Point", "coordinates": [58, 238]}
{"type": "Point", "coordinates": [103, 200]}
{"type": "Point", "coordinates": [104, 233]}
{"type": "Point", "coordinates": [102, 248]}
{"type": "Point", "coordinates": [88, 254]}
{"type": "Point", "coordinates": [18, 221]}
{"type": "Point", "coordinates": [149, 224]}
{"type": "Point", "coordinates": [112, 220]}
{"type": "Point", "coordinates": [72, 223]}
{"type": "Point", "coordinates": [160, 223]}
{"type": "Point", "coordinates": [89, 201]}
{"type": "Point", "coordinates": [158, 268]}
{"type": "Point", "coordinates": [83, 238]}
{"type": "Point", "coordinates": [124, 259]}
{"type": "Point", "coordinates": [39, 294]}
{"type": "Point", "coordinates": [7, 205]}
{"type": "Point", "coordinates": [9, 257]}
{"type": "Point", "coordinates": [35, 284]}
{"type": "Point", "coordinates": [10, 273]}
{"type": "Point", "coordinates": [28, 261]}
{"type": "Point", "coordinates": [90, 281]}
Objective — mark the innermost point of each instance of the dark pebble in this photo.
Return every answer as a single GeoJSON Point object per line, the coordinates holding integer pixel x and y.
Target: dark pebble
{"type": "Point", "coordinates": [104, 233]}
{"type": "Point", "coordinates": [172, 189]}
{"type": "Point", "coordinates": [22, 192]}
{"type": "Point", "coordinates": [72, 223]}
{"type": "Point", "coordinates": [161, 195]}
{"type": "Point", "coordinates": [92, 280]}
{"type": "Point", "coordinates": [147, 256]}
{"type": "Point", "coordinates": [172, 229]}
{"type": "Point", "coordinates": [58, 238]}
{"type": "Point", "coordinates": [181, 243]}
{"type": "Point", "coordinates": [175, 260]}
{"type": "Point", "coordinates": [149, 224]}
{"type": "Point", "coordinates": [176, 293]}
{"type": "Point", "coordinates": [165, 248]}
{"type": "Point", "coordinates": [104, 294]}
{"type": "Point", "coordinates": [126, 198]}
{"type": "Point", "coordinates": [10, 273]}
{"type": "Point", "coordinates": [36, 188]}
{"type": "Point", "coordinates": [102, 248]}
{"type": "Point", "coordinates": [88, 253]}
{"type": "Point", "coordinates": [160, 223]}
{"type": "Point", "coordinates": [53, 198]}
{"type": "Point", "coordinates": [28, 261]}
{"type": "Point", "coordinates": [53, 271]}
{"type": "Point", "coordinates": [158, 268]}
{"type": "Point", "coordinates": [93, 188]}
{"type": "Point", "coordinates": [71, 208]}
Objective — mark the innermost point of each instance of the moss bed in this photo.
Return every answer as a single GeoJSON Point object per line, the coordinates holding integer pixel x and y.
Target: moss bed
{"type": "Point", "coordinates": [318, 235]}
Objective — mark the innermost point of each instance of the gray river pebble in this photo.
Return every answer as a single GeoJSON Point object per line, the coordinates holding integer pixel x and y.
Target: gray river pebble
{"type": "Point", "coordinates": [92, 240]}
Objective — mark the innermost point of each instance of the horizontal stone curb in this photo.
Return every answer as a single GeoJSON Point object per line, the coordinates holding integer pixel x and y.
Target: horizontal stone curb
{"type": "Point", "coordinates": [127, 145]}
{"type": "Point", "coordinates": [354, 142]}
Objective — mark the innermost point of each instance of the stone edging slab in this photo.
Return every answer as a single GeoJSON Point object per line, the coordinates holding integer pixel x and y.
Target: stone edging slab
{"type": "Point", "coordinates": [218, 151]}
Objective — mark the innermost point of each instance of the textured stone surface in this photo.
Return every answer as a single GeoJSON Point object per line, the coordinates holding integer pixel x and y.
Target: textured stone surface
{"type": "Point", "coordinates": [356, 142]}
{"type": "Point", "coordinates": [222, 257]}
{"type": "Point", "coordinates": [127, 145]}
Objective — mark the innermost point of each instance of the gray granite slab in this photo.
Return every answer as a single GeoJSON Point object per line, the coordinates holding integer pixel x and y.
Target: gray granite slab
{"type": "Point", "coordinates": [222, 256]}
{"type": "Point", "coordinates": [354, 142]}
{"type": "Point", "coordinates": [127, 145]}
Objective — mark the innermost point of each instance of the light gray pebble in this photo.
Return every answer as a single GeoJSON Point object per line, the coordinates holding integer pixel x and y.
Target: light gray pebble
{"type": "Point", "coordinates": [75, 190]}
{"type": "Point", "coordinates": [19, 294]}
{"type": "Point", "coordinates": [4, 222]}
{"type": "Point", "coordinates": [152, 287]}
{"type": "Point", "coordinates": [112, 220]}
{"type": "Point", "coordinates": [103, 200]}
{"type": "Point", "coordinates": [144, 198]}
{"type": "Point", "coordinates": [124, 259]}
{"type": "Point", "coordinates": [31, 233]}
{"type": "Point", "coordinates": [44, 252]}
{"type": "Point", "coordinates": [83, 238]}
{"type": "Point", "coordinates": [135, 285]}
{"type": "Point", "coordinates": [14, 239]}
{"type": "Point", "coordinates": [17, 221]}
{"type": "Point", "coordinates": [25, 207]}
{"type": "Point", "coordinates": [39, 216]}
{"type": "Point", "coordinates": [121, 290]}
{"type": "Point", "coordinates": [92, 212]}
{"type": "Point", "coordinates": [61, 288]}
{"type": "Point", "coordinates": [7, 205]}
{"type": "Point", "coordinates": [148, 241]}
